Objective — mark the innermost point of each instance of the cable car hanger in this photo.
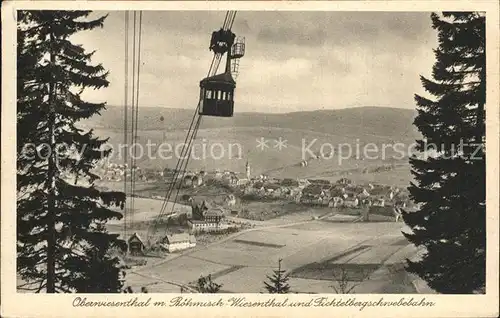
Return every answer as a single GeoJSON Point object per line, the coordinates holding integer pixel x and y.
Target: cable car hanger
{"type": "Point", "coordinates": [216, 99]}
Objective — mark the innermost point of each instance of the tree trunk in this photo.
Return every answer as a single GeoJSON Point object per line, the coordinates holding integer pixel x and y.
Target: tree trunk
{"type": "Point", "coordinates": [51, 240]}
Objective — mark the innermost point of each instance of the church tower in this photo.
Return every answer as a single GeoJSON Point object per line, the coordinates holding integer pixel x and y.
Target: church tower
{"type": "Point", "coordinates": [247, 170]}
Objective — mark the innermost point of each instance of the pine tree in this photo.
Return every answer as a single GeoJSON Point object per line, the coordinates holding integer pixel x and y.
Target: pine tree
{"type": "Point", "coordinates": [278, 283]}
{"type": "Point", "coordinates": [207, 286]}
{"type": "Point", "coordinates": [62, 242]}
{"type": "Point", "coordinates": [450, 186]}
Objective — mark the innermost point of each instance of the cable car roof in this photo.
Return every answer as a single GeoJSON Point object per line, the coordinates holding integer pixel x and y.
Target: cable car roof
{"type": "Point", "coordinates": [224, 78]}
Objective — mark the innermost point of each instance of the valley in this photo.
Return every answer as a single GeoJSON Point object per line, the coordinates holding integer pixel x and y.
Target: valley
{"type": "Point", "coordinates": [272, 219]}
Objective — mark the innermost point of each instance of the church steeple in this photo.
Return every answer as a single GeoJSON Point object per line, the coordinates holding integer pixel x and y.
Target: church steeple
{"type": "Point", "coordinates": [247, 170]}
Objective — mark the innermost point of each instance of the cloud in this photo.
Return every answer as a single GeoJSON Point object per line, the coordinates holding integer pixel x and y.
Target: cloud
{"type": "Point", "coordinates": [294, 60]}
{"type": "Point", "coordinates": [293, 35]}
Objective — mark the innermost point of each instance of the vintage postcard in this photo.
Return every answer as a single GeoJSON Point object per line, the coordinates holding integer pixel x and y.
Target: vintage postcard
{"type": "Point", "coordinates": [250, 158]}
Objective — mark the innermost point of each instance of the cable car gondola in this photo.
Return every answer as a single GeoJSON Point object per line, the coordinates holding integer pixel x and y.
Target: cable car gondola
{"type": "Point", "coordinates": [217, 92]}
{"type": "Point", "coordinates": [217, 95]}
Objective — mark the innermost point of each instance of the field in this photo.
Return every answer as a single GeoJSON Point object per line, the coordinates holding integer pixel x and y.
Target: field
{"type": "Point", "coordinates": [256, 210]}
{"type": "Point", "coordinates": [310, 250]}
{"type": "Point", "coordinates": [145, 211]}
{"type": "Point", "coordinates": [160, 188]}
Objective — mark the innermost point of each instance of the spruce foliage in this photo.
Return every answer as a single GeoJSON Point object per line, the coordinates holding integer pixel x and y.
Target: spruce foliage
{"type": "Point", "coordinates": [278, 282]}
{"type": "Point", "coordinates": [450, 186]}
{"type": "Point", "coordinates": [62, 243]}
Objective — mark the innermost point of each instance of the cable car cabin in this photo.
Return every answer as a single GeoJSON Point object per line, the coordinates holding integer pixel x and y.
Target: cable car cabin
{"type": "Point", "coordinates": [238, 48]}
{"type": "Point", "coordinates": [217, 95]}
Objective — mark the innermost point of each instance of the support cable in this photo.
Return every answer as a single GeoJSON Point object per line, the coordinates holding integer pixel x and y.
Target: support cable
{"type": "Point", "coordinates": [125, 120]}
{"type": "Point", "coordinates": [136, 115]}
{"type": "Point", "coordinates": [132, 170]}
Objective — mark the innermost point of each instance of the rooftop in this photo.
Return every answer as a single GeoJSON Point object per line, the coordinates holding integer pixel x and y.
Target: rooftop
{"type": "Point", "coordinates": [135, 238]}
{"type": "Point", "coordinates": [179, 238]}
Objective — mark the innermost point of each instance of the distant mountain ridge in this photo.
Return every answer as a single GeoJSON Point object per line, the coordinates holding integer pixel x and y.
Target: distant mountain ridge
{"type": "Point", "coordinates": [393, 123]}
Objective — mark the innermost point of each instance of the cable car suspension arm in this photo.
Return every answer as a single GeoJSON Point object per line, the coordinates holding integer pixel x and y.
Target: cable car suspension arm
{"type": "Point", "coordinates": [183, 161]}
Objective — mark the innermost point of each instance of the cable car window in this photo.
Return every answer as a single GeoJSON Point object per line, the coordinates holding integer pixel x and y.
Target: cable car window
{"type": "Point", "coordinates": [224, 95]}
{"type": "Point", "coordinates": [219, 94]}
{"type": "Point", "coordinates": [208, 94]}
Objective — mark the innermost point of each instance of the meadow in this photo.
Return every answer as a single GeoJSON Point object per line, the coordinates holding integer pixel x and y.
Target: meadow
{"type": "Point", "coordinates": [309, 249]}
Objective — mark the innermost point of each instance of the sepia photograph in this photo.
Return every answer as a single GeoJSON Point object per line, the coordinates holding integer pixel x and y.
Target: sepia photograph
{"type": "Point", "coordinates": [252, 152]}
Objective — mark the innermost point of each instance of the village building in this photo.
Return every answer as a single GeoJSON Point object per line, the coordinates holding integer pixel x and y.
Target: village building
{"type": "Point", "coordinates": [230, 200]}
{"type": "Point", "coordinates": [337, 192]}
{"type": "Point", "coordinates": [378, 202]}
{"type": "Point", "coordinates": [205, 218]}
{"type": "Point", "coordinates": [382, 192]}
{"type": "Point", "coordinates": [319, 182]}
{"type": "Point", "coordinates": [242, 182]}
{"type": "Point", "coordinates": [335, 202]}
{"type": "Point", "coordinates": [168, 173]}
{"type": "Point", "coordinates": [351, 202]}
{"type": "Point", "coordinates": [230, 178]}
{"type": "Point", "coordinates": [210, 221]}
{"type": "Point", "coordinates": [218, 175]}
{"type": "Point", "coordinates": [197, 181]}
{"type": "Point", "coordinates": [344, 181]}
{"type": "Point", "coordinates": [197, 226]}
{"type": "Point", "coordinates": [136, 245]}
{"type": "Point", "coordinates": [325, 201]}
{"type": "Point", "coordinates": [287, 182]}
{"type": "Point", "coordinates": [271, 187]}
{"type": "Point", "coordinates": [313, 194]}
{"type": "Point", "coordinates": [214, 215]}
{"type": "Point", "coordinates": [178, 241]}
{"type": "Point", "coordinates": [262, 177]}
{"type": "Point", "coordinates": [202, 173]}
{"type": "Point", "coordinates": [277, 193]}
{"type": "Point", "coordinates": [365, 202]}
{"type": "Point", "coordinates": [359, 192]}
{"type": "Point", "coordinates": [303, 183]}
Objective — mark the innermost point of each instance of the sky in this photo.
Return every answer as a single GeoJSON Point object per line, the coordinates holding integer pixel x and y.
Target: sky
{"type": "Point", "coordinates": [294, 61]}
